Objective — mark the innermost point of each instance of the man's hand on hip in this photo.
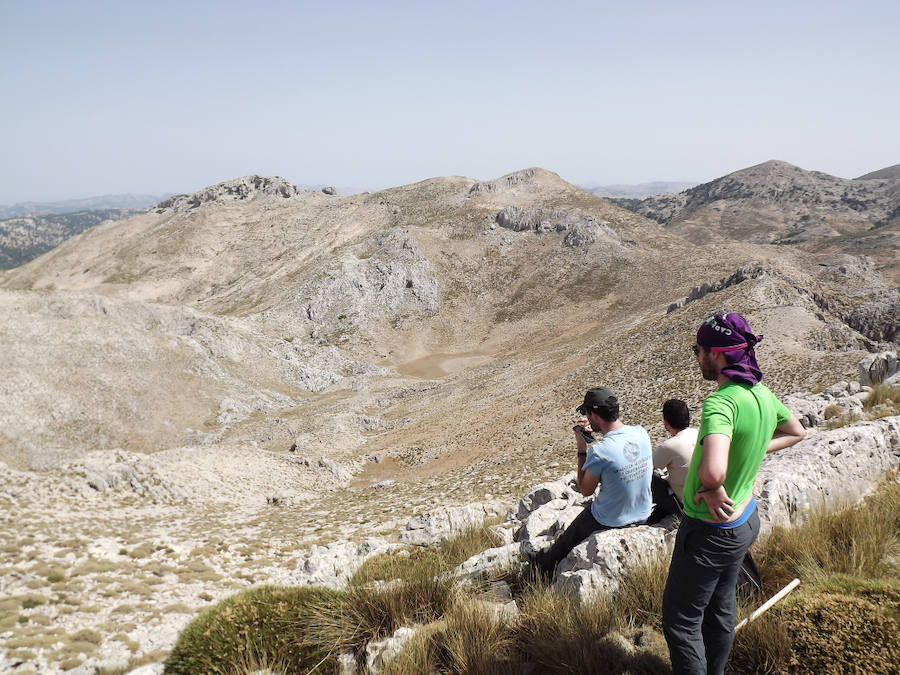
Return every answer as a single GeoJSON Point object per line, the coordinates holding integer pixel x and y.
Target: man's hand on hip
{"type": "Point", "coordinates": [720, 505]}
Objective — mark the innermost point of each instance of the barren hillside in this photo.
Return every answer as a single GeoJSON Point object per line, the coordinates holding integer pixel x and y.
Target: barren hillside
{"type": "Point", "coordinates": [258, 363]}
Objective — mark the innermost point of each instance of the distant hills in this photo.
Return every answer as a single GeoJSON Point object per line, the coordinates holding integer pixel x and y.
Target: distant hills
{"type": "Point", "coordinates": [29, 229]}
{"type": "Point", "coordinates": [125, 201]}
{"type": "Point", "coordinates": [24, 238]}
{"type": "Point", "coordinates": [779, 203]}
{"type": "Point", "coordinates": [888, 172]}
{"type": "Point", "coordinates": [640, 190]}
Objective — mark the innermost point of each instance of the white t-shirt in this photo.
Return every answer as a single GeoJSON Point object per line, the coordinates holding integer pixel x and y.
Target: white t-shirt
{"type": "Point", "coordinates": [674, 455]}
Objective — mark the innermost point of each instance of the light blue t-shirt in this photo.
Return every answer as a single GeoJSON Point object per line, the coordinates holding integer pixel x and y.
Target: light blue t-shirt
{"type": "Point", "coordinates": [623, 460]}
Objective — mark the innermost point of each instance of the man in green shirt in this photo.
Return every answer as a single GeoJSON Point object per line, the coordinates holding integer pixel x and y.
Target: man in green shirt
{"type": "Point", "coordinates": [741, 421]}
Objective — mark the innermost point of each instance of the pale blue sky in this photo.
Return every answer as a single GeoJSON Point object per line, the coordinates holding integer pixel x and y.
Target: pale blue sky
{"type": "Point", "coordinates": [120, 96]}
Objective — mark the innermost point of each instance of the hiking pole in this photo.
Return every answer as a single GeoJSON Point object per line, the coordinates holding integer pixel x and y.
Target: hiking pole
{"type": "Point", "coordinates": [771, 601]}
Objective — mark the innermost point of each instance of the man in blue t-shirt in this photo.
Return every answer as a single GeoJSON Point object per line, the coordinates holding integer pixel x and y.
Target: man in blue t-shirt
{"type": "Point", "coordinates": [621, 463]}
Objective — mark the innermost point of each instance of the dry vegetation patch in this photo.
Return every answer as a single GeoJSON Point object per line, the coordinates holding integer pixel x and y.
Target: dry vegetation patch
{"type": "Point", "coordinates": [844, 616]}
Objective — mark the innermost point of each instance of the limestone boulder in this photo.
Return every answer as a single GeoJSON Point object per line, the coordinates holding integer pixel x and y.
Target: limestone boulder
{"type": "Point", "coordinates": [598, 563]}
{"type": "Point", "coordinates": [485, 564]}
{"type": "Point", "coordinates": [550, 519]}
{"type": "Point", "coordinates": [447, 521]}
{"type": "Point", "coordinates": [334, 564]}
{"type": "Point", "coordinates": [832, 467]}
{"type": "Point", "coordinates": [381, 652]}
{"type": "Point", "coordinates": [544, 493]}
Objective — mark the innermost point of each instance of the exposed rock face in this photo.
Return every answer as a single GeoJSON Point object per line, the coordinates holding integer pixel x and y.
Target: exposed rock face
{"type": "Point", "coordinates": [877, 368]}
{"type": "Point", "coordinates": [752, 271]}
{"type": "Point", "coordinates": [580, 230]}
{"type": "Point", "coordinates": [840, 289]}
{"type": "Point", "coordinates": [512, 180]}
{"type": "Point", "coordinates": [380, 653]}
{"type": "Point", "coordinates": [479, 567]}
{"type": "Point", "coordinates": [334, 564]}
{"type": "Point", "coordinates": [835, 467]}
{"type": "Point", "coordinates": [385, 276]}
{"type": "Point", "coordinates": [238, 189]}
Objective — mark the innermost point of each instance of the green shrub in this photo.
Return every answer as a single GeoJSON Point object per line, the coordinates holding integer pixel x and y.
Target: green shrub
{"type": "Point", "coordinates": [262, 625]}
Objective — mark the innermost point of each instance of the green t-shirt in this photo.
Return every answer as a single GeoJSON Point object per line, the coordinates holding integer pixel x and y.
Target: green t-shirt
{"type": "Point", "coordinates": [748, 416]}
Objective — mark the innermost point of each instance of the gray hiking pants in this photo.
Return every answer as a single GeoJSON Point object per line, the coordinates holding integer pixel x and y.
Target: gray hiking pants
{"type": "Point", "coordinates": [699, 607]}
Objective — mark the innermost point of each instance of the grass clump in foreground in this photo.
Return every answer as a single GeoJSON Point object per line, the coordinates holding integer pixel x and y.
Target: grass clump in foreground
{"type": "Point", "coordinates": [844, 617]}
{"type": "Point", "coordinates": [259, 626]}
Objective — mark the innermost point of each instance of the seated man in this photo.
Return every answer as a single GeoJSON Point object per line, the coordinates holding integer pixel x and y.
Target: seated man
{"type": "Point", "coordinates": [620, 463]}
{"type": "Point", "coordinates": [674, 456]}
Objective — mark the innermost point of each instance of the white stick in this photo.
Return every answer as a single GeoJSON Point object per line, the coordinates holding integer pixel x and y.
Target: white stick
{"type": "Point", "coordinates": [771, 601]}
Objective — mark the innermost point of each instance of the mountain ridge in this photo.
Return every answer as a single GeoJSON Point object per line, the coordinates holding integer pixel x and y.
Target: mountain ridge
{"type": "Point", "coordinates": [776, 202]}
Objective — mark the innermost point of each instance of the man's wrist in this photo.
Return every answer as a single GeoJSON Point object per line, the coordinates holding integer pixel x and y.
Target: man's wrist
{"type": "Point", "coordinates": [582, 454]}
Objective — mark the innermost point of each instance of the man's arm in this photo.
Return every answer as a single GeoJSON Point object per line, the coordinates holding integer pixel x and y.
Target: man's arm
{"type": "Point", "coordinates": [587, 482]}
{"type": "Point", "coordinates": [714, 463]}
{"type": "Point", "coordinates": [711, 472]}
{"type": "Point", "coordinates": [787, 434]}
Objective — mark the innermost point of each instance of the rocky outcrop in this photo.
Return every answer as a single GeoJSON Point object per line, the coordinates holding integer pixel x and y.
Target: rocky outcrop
{"type": "Point", "coordinates": [334, 564]}
{"type": "Point", "coordinates": [751, 271]}
{"type": "Point", "coordinates": [839, 289]}
{"type": "Point", "coordinates": [580, 230]}
{"type": "Point", "coordinates": [877, 368]}
{"type": "Point", "coordinates": [834, 467]}
{"type": "Point", "coordinates": [598, 563]}
{"type": "Point", "coordinates": [238, 189]}
{"type": "Point", "coordinates": [385, 276]}
{"type": "Point", "coordinates": [509, 181]}
{"type": "Point", "coordinates": [842, 398]}
{"type": "Point", "coordinates": [878, 318]}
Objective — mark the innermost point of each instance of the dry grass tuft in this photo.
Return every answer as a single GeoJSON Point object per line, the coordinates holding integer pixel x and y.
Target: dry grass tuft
{"type": "Point", "coordinates": [863, 540]}
{"type": "Point", "coordinates": [883, 394]}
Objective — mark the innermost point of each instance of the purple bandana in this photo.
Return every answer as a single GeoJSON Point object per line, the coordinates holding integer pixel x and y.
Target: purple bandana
{"type": "Point", "coordinates": [730, 334]}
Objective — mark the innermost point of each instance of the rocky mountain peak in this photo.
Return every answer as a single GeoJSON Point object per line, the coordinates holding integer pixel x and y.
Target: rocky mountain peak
{"type": "Point", "coordinates": [535, 177]}
{"type": "Point", "coordinates": [237, 189]}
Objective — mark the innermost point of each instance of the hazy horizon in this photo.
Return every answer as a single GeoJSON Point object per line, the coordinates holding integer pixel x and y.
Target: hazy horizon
{"type": "Point", "coordinates": [108, 98]}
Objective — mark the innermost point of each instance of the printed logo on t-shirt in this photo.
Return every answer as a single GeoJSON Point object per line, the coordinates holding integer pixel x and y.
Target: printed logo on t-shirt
{"type": "Point", "coordinates": [631, 451]}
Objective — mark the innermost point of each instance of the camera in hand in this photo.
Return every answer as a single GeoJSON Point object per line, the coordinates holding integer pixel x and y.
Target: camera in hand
{"type": "Point", "coordinates": [588, 436]}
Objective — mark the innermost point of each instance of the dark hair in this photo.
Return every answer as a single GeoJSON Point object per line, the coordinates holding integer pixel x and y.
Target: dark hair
{"type": "Point", "coordinates": [676, 413]}
{"type": "Point", "coordinates": [608, 412]}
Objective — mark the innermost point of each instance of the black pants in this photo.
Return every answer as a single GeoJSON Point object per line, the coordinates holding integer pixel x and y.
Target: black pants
{"type": "Point", "coordinates": [699, 607]}
{"type": "Point", "coordinates": [666, 503]}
